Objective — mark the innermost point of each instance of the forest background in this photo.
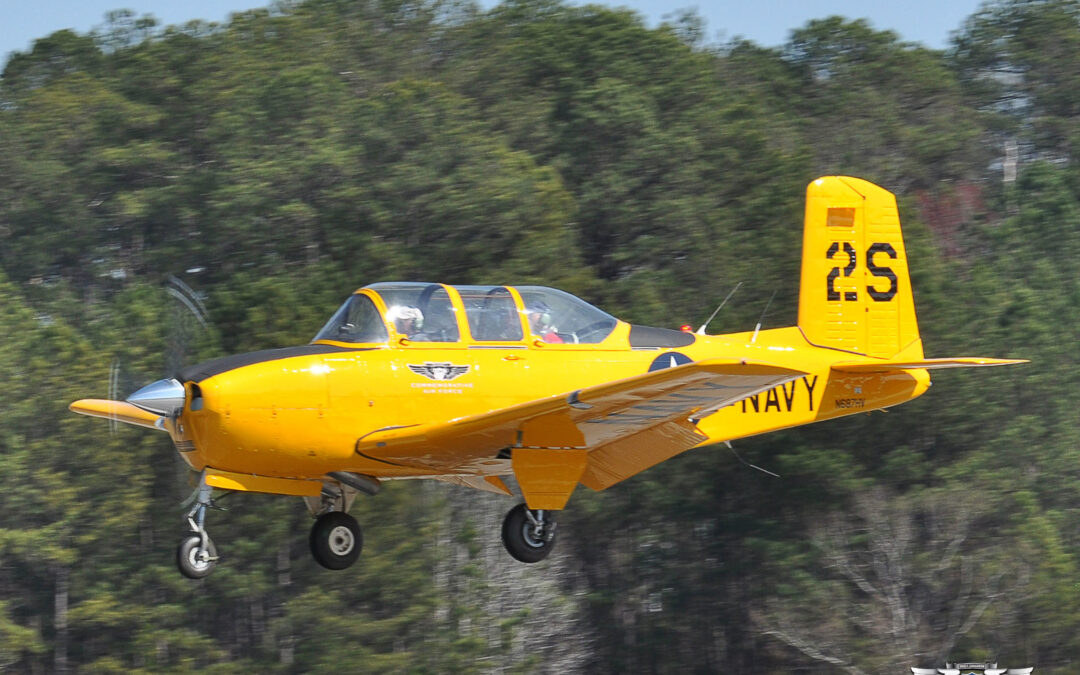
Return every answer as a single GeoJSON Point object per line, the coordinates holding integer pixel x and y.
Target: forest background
{"type": "Point", "coordinates": [277, 162]}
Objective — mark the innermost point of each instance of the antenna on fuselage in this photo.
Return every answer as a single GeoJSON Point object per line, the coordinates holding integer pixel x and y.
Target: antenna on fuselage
{"type": "Point", "coordinates": [752, 466]}
{"type": "Point", "coordinates": [762, 318]}
{"type": "Point", "coordinates": [701, 331]}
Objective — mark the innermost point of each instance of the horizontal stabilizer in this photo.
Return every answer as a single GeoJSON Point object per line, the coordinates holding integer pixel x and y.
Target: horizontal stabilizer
{"type": "Point", "coordinates": [120, 411]}
{"type": "Point", "coordinates": [923, 364]}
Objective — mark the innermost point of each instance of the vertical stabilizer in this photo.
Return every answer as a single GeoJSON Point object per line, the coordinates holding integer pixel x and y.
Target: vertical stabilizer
{"type": "Point", "coordinates": [855, 292]}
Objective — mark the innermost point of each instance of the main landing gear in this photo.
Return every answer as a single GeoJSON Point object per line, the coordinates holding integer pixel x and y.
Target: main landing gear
{"type": "Point", "coordinates": [336, 540]}
{"type": "Point", "coordinates": [529, 535]}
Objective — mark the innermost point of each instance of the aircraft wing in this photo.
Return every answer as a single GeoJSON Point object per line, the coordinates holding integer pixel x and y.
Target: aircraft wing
{"type": "Point", "coordinates": [119, 411]}
{"type": "Point", "coordinates": [624, 426]}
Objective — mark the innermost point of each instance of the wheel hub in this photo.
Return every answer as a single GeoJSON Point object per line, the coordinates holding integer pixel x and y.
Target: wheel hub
{"type": "Point", "coordinates": [533, 536]}
{"type": "Point", "coordinates": [341, 540]}
{"type": "Point", "coordinates": [197, 560]}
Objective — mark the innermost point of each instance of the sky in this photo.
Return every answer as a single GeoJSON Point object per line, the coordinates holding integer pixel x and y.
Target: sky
{"type": "Point", "coordinates": [766, 22]}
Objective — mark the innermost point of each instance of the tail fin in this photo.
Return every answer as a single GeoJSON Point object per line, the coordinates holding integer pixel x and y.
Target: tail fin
{"type": "Point", "coordinates": [855, 293]}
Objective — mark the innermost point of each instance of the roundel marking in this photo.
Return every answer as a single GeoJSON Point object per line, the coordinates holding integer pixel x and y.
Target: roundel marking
{"type": "Point", "coordinates": [669, 360]}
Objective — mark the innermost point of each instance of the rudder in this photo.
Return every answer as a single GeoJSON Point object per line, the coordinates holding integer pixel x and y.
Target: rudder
{"type": "Point", "coordinates": [855, 291]}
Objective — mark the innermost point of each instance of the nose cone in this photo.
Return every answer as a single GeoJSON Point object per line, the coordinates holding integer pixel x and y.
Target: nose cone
{"type": "Point", "coordinates": [163, 397]}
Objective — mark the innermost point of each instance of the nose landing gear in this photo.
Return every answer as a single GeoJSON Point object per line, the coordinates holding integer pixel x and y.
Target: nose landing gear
{"type": "Point", "coordinates": [194, 558]}
{"type": "Point", "coordinates": [196, 555]}
{"type": "Point", "coordinates": [529, 535]}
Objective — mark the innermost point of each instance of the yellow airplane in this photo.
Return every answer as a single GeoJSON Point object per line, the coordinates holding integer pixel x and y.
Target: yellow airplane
{"type": "Point", "coordinates": [467, 384]}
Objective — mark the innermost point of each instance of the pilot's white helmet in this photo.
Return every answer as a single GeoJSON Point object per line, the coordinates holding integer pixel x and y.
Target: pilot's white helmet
{"type": "Point", "coordinates": [400, 312]}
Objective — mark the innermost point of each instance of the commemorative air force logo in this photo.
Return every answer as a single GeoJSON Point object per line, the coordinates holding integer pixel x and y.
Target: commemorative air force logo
{"type": "Point", "coordinates": [440, 372]}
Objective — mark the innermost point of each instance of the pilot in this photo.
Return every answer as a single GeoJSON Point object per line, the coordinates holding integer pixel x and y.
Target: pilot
{"type": "Point", "coordinates": [540, 322]}
{"type": "Point", "coordinates": [408, 321]}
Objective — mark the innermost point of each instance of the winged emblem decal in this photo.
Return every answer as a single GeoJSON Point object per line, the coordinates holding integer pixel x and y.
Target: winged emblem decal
{"type": "Point", "coordinates": [440, 372]}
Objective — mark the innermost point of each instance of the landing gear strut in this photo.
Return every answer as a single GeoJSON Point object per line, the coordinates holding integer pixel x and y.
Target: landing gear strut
{"type": "Point", "coordinates": [529, 535]}
{"type": "Point", "coordinates": [196, 555]}
{"type": "Point", "coordinates": [335, 539]}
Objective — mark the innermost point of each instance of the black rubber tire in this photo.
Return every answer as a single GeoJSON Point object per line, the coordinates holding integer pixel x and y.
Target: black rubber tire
{"type": "Point", "coordinates": [336, 540]}
{"type": "Point", "coordinates": [517, 536]}
{"type": "Point", "coordinates": [186, 554]}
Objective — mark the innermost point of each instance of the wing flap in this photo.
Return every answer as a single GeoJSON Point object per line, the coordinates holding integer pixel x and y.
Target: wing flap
{"type": "Point", "coordinates": [621, 459]}
{"type": "Point", "coordinates": [119, 411]}
{"type": "Point", "coordinates": [924, 364]}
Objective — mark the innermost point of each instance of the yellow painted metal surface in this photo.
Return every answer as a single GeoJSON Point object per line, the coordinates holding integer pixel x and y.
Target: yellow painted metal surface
{"type": "Point", "coordinates": [555, 430]}
{"type": "Point", "coordinates": [228, 480]}
{"type": "Point", "coordinates": [855, 293]}
{"type": "Point", "coordinates": [817, 396]}
{"type": "Point", "coordinates": [547, 476]}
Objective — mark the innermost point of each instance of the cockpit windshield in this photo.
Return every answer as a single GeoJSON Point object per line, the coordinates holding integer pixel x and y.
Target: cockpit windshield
{"type": "Point", "coordinates": [425, 312]}
{"type": "Point", "coordinates": [491, 312]}
{"type": "Point", "coordinates": [558, 317]}
{"type": "Point", "coordinates": [358, 320]}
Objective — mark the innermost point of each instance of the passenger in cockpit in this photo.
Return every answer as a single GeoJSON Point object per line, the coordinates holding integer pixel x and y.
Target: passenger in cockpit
{"type": "Point", "coordinates": [540, 322]}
